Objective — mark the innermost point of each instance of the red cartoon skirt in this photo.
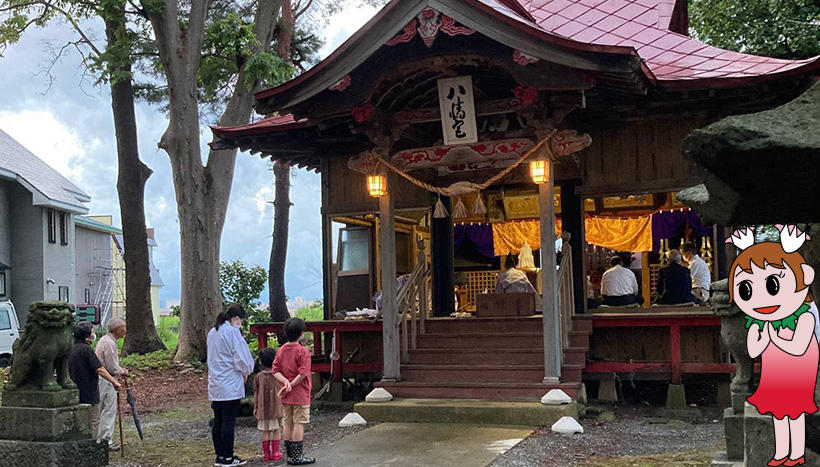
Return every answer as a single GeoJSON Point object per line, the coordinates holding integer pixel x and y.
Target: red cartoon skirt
{"type": "Point", "coordinates": [787, 382]}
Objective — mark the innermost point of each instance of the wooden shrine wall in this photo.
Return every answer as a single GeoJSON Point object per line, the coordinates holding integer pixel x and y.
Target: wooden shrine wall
{"type": "Point", "coordinates": [640, 157]}
{"type": "Point", "coordinates": [344, 192]}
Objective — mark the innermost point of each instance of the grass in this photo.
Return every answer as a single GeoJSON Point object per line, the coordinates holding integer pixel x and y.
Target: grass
{"type": "Point", "coordinates": [311, 313]}
{"type": "Point", "coordinates": [168, 331]}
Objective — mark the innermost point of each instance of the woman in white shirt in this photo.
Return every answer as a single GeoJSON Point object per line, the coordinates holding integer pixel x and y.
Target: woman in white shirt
{"type": "Point", "coordinates": [229, 364]}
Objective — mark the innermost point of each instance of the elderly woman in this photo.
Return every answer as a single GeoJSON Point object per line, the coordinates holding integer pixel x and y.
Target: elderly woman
{"type": "Point", "coordinates": [109, 357]}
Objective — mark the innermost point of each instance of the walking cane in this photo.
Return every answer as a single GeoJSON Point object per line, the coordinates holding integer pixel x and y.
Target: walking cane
{"type": "Point", "coordinates": [119, 417]}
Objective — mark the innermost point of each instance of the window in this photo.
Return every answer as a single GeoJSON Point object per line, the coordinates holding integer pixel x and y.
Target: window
{"type": "Point", "coordinates": [62, 293]}
{"type": "Point", "coordinates": [63, 228]}
{"type": "Point", "coordinates": [5, 321]}
{"type": "Point", "coordinates": [354, 251]}
{"type": "Point", "coordinates": [2, 284]}
{"type": "Point", "coordinates": [52, 227]}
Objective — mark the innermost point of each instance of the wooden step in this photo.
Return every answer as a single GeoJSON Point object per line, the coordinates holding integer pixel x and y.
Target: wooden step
{"type": "Point", "coordinates": [476, 390]}
{"type": "Point", "coordinates": [507, 324]}
{"type": "Point", "coordinates": [573, 356]}
{"type": "Point", "coordinates": [480, 373]}
{"type": "Point", "coordinates": [571, 373]}
{"type": "Point", "coordinates": [579, 339]}
{"type": "Point", "coordinates": [489, 340]}
{"type": "Point", "coordinates": [581, 324]}
{"type": "Point", "coordinates": [442, 356]}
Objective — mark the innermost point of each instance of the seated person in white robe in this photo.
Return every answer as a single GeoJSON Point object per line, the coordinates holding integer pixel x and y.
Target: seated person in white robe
{"type": "Point", "coordinates": [511, 280]}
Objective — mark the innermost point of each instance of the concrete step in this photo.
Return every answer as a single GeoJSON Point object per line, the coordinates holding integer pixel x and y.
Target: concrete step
{"type": "Point", "coordinates": [481, 373]}
{"type": "Point", "coordinates": [465, 411]}
{"type": "Point", "coordinates": [507, 324]}
{"type": "Point", "coordinates": [487, 340]}
{"type": "Point", "coordinates": [442, 356]}
{"type": "Point", "coordinates": [504, 391]}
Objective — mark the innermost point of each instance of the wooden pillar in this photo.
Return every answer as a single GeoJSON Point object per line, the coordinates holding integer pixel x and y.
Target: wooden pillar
{"type": "Point", "coordinates": [646, 280]}
{"type": "Point", "coordinates": [572, 221]}
{"type": "Point", "coordinates": [327, 246]}
{"type": "Point", "coordinates": [441, 233]}
{"type": "Point", "coordinates": [551, 313]}
{"type": "Point", "coordinates": [387, 252]}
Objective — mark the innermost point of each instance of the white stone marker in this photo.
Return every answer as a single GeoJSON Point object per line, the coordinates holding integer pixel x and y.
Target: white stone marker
{"type": "Point", "coordinates": [379, 395]}
{"type": "Point", "coordinates": [352, 419]}
{"type": "Point", "coordinates": [555, 397]}
{"type": "Point", "coordinates": [567, 426]}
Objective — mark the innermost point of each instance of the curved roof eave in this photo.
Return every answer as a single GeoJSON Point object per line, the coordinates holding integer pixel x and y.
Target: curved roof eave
{"type": "Point", "coordinates": [392, 18]}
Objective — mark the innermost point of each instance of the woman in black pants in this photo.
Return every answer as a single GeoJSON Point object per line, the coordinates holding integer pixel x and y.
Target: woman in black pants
{"type": "Point", "coordinates": [229, 364]}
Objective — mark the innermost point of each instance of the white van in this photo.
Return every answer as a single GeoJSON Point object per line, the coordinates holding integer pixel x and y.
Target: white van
{"type": "Point", "coordinates": [9, 331]}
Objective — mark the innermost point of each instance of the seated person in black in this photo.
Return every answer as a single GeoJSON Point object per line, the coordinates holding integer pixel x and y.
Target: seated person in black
{"type": "Point", "coordinates": [674, 281]}
{"type": "Point", "coordinates": [85, 369]}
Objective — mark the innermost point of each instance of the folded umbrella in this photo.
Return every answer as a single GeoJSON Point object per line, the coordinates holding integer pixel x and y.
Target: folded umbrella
{"type": "Point", "coordinates": [132, 402]}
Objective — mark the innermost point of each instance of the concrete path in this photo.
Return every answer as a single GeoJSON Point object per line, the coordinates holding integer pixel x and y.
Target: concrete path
{"type": "Point", "coordinates": [421, 444]}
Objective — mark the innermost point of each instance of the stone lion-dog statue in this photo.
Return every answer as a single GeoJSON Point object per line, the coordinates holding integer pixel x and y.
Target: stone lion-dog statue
{"type": "Point", "coordinates": [44, 347]}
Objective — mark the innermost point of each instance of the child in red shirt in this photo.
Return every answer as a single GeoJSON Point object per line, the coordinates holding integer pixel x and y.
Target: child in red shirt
{"type": "Point", "coordinates": [292, 369]}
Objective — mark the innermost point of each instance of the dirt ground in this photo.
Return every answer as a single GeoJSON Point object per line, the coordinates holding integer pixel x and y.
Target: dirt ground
{"type": "Point", "coordinates": [175, 415]}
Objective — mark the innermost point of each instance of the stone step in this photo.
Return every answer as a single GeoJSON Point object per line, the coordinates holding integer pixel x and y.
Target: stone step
{"type": "Point", "coordinates": [479, 412]}
{"type": "Point", "coordinates": [504, 391]}
{"type": "Point", "coordinates": [469, 373]}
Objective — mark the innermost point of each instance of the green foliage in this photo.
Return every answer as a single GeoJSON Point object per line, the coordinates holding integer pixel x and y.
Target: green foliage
{"type": "Point", "coordinates": [159, 360]}
{"type": "Point", "coordinates": [774, 28]}
{"type": "Point", "coordinates": [176, 310]}
{"type": "Point", "coordinates": [314, 312]}
{"type": "Point", "coordinates": [242, 284]}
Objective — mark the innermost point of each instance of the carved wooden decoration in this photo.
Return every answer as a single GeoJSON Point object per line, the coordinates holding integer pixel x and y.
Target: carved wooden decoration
{"type": "Point", "coordinates": [523, 59]}
{"type": "Point", "coordinates": [428, 24]}
{"type": "Point", "coordinates": [342, 84]}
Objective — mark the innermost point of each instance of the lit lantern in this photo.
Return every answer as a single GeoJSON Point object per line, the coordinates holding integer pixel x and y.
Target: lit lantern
{"type": "Point", "coordinates": [376, 185]}
{"type": "Point", "coordinates": [540, 171]}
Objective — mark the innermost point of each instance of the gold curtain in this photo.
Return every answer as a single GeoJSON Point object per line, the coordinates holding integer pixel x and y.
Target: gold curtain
{"type": "Point", "coordinates": [620, 234]}
{"type": "Point", "coordinates": [614, 234]}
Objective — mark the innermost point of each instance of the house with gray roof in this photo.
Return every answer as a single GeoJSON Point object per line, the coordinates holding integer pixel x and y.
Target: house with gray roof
{"type": "Point", "coordinates": [37, 213]}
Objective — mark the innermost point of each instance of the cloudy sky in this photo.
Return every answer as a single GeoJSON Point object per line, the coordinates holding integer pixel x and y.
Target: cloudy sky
{"type": "Point", "coordinates": [68, 124]}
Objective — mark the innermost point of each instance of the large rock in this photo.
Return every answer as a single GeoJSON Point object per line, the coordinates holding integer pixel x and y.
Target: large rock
{"type": "Point", "coordinates": [733, 428]}
{"type": "Point", "coordinates": [779, 148]}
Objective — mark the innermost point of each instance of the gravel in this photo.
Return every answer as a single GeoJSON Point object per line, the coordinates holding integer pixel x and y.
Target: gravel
{"type": "Point", "coordinates": [633, 431]}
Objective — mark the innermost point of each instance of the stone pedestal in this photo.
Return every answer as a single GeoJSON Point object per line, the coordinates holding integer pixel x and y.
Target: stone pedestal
{"type": "Point", "coordinates": [758, 440]}
{"type": "Point", "coordinates": [733, 428]}
{"type": "Point", "coordinates": [48, 429]}
{"type": "Point", "coordinates": [675, 397]}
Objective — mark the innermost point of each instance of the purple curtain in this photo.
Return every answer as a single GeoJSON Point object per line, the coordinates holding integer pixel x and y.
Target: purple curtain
{"type": "Point", "coordinates": [480, 234]}
{"type": "Point", "coordinates": [673, 224]}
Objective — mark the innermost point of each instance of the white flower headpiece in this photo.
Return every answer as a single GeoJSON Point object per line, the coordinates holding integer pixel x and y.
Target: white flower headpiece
{"type": "Point", "coordinates": [791, 238]}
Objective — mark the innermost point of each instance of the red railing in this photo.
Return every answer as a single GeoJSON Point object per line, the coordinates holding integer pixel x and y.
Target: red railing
{"type": "Point", "coordinates": [336, 330]}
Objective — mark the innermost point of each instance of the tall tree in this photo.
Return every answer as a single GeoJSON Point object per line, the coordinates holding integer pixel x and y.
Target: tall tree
{"type": "Point", "coordinates": [774, 28]}
{"type": "Point", "coordinates": [111, 64]}
{"type": "Point", "coordinates": [203, 190]}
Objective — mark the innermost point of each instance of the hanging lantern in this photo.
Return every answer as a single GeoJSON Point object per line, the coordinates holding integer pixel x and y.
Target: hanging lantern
{"type": "Point", "coordinates": [376, 185]}
{"type": "Point", "coordinates": [540, 171]}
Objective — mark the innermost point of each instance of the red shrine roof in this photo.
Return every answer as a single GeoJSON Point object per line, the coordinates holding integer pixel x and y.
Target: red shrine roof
{"type": "Point", "coordinates": [626, 27]}
{"type": "Point", "coordinates": [644, 26]}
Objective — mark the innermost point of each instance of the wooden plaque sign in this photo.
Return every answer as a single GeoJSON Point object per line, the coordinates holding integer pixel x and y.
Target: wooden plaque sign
{"type": "Point", "coordinates": [458, 122]}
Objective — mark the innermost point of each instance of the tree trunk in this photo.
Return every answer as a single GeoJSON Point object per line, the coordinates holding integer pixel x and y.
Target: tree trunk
{"type": "Point", "coordinates": [132, 174]}
{"type": "Point", "coordinates": [279, 250]}
{"type": "Point", "coordinates": [202, 192]}
{"type": "Point", "coordinates": [278, 300]}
